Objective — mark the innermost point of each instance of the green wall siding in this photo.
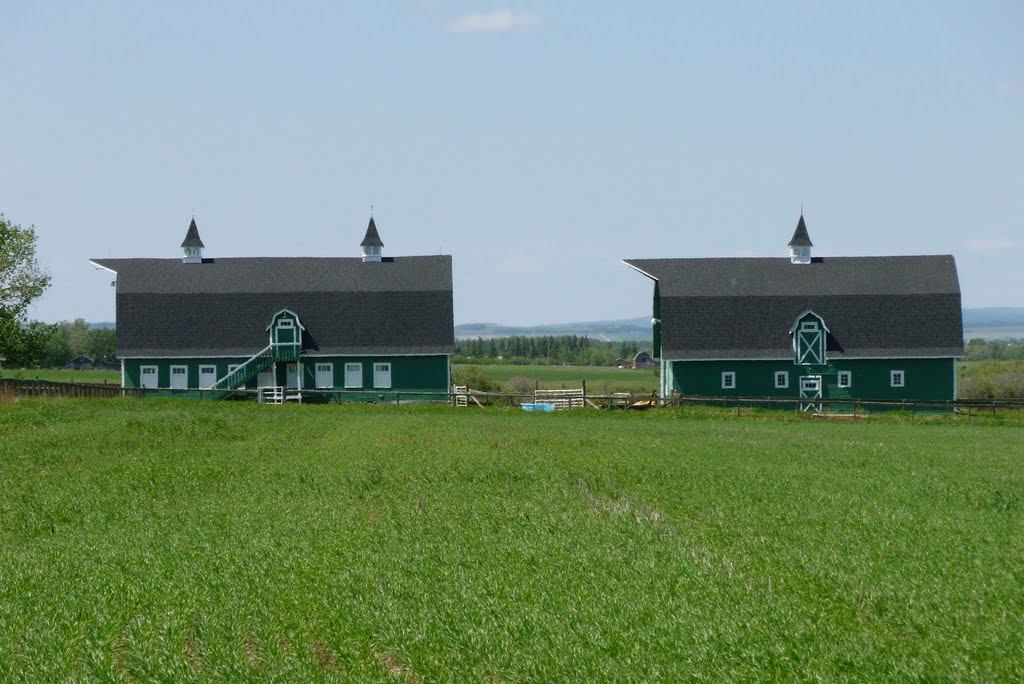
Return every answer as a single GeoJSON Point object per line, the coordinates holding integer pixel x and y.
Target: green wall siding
{"type": "Point", "coordinates": [407, 372]}
{"type": "Point", "coordinates": [924, 379]}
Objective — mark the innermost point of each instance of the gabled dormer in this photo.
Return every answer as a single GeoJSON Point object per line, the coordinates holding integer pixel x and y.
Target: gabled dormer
{"type": "Point", "coordinates": [192, 245]}
{"type": "Point", "coordinates": [800, 244]}
{"type": "Point", "coordinates": [809, 334]}
{"type": "Point", "coordinates": [371, 243]}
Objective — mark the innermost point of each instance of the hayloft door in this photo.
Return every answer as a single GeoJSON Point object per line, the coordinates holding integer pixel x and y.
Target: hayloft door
{"type": "Point", "coordinates": [284, 332]}
{"type": "Point", "coordinates": [810, 388]}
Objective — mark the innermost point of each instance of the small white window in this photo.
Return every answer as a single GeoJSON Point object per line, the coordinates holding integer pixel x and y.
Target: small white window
{"type": "Point", "coordinates": [781, 379]}
{"type": "Point", "coordinates": [729, 380]}
{"type": "Point", "coordinates": [179, 377]}
{"type": "Point", "coordinates": [232, 367]}
{"type": "Point", "coordinates": [845, 379]}
{"type": "Point", "coordinates": [325, 375]}
{"type": "Point", "coordinates": [382, 375]}
{"type": "Point", "coordinates": [897, 378]}
{"type": "Point", "coordinates": [353, 375]}
{"type": "Point", "coordinates": [809, 326]}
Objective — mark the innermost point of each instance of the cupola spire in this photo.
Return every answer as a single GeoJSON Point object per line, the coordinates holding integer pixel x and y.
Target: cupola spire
{"type": "Point", "coordinates": [371, 243]}
{"type": "Point", "coordinates": [800, 244]}
{"type": "Point", "coordinates": [192, 245]}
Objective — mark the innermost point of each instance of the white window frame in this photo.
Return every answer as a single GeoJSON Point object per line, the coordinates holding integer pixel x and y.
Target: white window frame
{"type": "Point", "coordinates": [728, 380]}
{"type": "Point", "coordinates": [785, 379]}
{"type": "Point", "coordinates": [207, 367]}
{"type": "Point", "coordinates": [156, 376]}
{"type": "Point", "coordinates": [353, 367]}
{"type": "Point", "coordinates": [380, 373]}
{"type": "Point", "coordinates": [897, 378]}
{"type": "Point", "coordinates": [232, 367]}
{"type": "Point", "coordinates": [179, 370]}
{"type": "Point", "coordinates": [320, 368]}
{"type": "Point", "coordinates": [845, 379]}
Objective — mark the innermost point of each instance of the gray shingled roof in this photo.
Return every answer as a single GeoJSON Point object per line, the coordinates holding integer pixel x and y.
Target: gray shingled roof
{"type": "Point", "coordinates": [192, 236]}
{"type": "Point", "coordinates": [401, 305]}
{"type": "Point", "coordinates": [800, 237]}
{"type": "Point", "coordinates": [743, 308]}
{"type": "Point", "coordinates": [372, 238]}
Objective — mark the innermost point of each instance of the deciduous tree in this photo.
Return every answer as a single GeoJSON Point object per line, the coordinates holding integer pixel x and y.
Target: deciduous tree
{"type": "Point", "coordinates": [21, 281]}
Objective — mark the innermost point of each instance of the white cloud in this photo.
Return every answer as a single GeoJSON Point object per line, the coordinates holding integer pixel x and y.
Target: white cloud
{"type": "Point", "coordinates": [498, 21]}
{"type": "Point", "coordinates": [1007, 89]}
{"type": "Point", "coordinates": [989, 243]}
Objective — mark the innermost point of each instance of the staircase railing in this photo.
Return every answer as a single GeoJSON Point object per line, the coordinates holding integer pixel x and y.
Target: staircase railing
{"type": "Point", "coordinates": [245, 372]}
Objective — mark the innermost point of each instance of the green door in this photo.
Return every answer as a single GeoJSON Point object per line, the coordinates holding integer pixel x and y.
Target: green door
{"type": "Point", "coordinates": [285, 332]}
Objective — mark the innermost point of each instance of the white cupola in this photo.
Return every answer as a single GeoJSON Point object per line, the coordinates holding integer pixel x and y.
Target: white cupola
{"type": "Point", "coordinates": [371, 243]}
{"type": "Point", "coordinates": [800, 244]}
{"type": "Point", "coordinates": [192, 245]}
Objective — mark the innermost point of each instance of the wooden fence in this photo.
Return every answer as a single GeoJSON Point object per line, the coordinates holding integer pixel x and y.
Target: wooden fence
{"type": "Point", "coordinates": [72, 390]}
{"type": "Point", "coordinates": [458, 397]}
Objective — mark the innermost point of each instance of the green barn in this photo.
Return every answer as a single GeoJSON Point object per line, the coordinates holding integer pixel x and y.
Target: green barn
{"type": "Point", "coordinates": [859, 328]}
{"type": "Point", "coordinates": [301, 327]}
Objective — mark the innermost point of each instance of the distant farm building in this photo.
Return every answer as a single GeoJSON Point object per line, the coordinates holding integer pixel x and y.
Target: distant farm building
{"type": "Point", "coordinates": [351, 325]}
{"type": "Point", "coordinates": [81, 362]}
{"type": "Point", "coordinates": [644, 360]}
{"type": "Point", "coordinates": [813, 327]}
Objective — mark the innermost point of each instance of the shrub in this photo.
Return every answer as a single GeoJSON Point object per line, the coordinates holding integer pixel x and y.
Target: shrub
{"type": "Point", "coordinates": [474, 378]}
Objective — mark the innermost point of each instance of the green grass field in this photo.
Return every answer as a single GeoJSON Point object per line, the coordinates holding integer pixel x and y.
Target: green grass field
{"type": "Point", "coordinates": [600, 380]}
{"type": "Point", "coordinates": [163, 540]}
{"type": "Point", "coordinates": [64, 375]}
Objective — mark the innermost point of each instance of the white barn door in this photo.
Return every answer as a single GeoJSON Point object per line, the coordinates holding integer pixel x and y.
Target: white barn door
{"type": "Point", "coordinates": [810, 388]}
{"type": "Point", "coordinates": [382, 375]}
{"type": "Point", "coordinates": [148, 377]}
{"type": "Point", "coordinates": [325, 375]}
{"type": "Point", "coordinates": [353, 375]}
{"type": "Point", "coordinates": [207, 376]}
{"type": "Point", "coordinates": [179, 377]}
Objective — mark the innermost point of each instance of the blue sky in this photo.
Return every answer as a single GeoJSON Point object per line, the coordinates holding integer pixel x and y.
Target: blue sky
{"type": "Point", "coordinates": [539, 143]}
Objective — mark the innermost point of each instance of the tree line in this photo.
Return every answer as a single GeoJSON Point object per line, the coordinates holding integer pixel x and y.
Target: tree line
{"type": "Point", "coordinates": [979, 349]}
{"type": "Point", "coordinates": [574, 350]}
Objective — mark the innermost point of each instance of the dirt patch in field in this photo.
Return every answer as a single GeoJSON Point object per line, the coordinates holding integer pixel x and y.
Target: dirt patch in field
{"type": "Point", "coordinates": [325, 657]}
{"type": "Point", "coordinates": [397, 669]}
{"type": "Point", "coordinates": [252, 651]}
{"type": "Point", "coordinates": [622, 507]}
{"type": "Point", "coordinates": [191, 653]}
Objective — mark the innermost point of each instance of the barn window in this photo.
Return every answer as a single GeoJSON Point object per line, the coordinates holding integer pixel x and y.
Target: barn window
{"type": "Point", "coordinates": [729, 380]}
{"type": "Point", "coordinates": [781, 379]}
{"type": "Point", "coordinates": [897, 378]}
{"type": "Point", "coordinates": [845, 379]}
